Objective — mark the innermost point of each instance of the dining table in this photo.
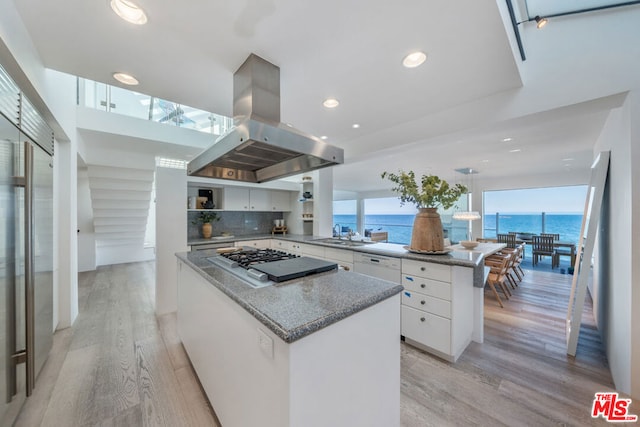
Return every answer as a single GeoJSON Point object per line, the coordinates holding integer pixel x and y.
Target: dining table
{"type": "Point", "coordinates": [556, 244]}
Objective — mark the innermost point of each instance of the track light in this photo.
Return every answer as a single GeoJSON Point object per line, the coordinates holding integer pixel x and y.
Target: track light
{"type": "Point", "coordinates": [540, 22]}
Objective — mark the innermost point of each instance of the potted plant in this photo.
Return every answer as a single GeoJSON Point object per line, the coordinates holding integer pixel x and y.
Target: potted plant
{"type": "Point", "coordinates": [205, 218]}
{"type": "Point", "coordinates": [433, 192]}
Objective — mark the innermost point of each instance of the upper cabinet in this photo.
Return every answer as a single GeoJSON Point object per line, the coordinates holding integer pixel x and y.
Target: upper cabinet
{"type": "Point", "coordinates": [255, 199]}
{"type": "Point", "coordinates": [280, 201]}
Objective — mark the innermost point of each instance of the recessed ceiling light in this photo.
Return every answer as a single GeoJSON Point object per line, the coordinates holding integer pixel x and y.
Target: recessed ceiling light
{"type": "Point", "coordinates": [485, 161]}
{"type": "Point", "coordinates": [507, 139]}
{"type": "Point", "coordinates": [568, 159]}
{"type": "Point", "coordinates": [331, 103]}
{"type": "Point", "coordinates": [540, 22]}
{"type": "Point", "coordinates": [516, 150]}
{"type": "Point", "coordinates": [129, 11]}
{"type": "Point", "coordinates": [324, 137]}
{"type": "Point", "coordinates": [414, 59]}
{"type": "Point", "coordinates": [355, 125]}
{"type": "Point", "coordinates": [125, 78]}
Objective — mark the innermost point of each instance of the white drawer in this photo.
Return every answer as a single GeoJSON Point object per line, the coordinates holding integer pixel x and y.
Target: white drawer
{"type": "Point", "coordinates": [427, 270]}
{"type": "Point", "coordinates": [339, 255]}
{"type": "Point", "coordinates": [428, 329]}
{"type": "Point", "coordinates": [426, 303]}
{"type": "Point", "coordinates": [429, 287]}
{"type": "Point", "coordinates": [313, 250]}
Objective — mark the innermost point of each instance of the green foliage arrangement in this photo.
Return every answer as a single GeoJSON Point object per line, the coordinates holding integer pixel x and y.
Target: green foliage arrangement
{"type": "Point", "coordinates": [432, 192]}
{"type": "Point", "coordinates": [206, 217]}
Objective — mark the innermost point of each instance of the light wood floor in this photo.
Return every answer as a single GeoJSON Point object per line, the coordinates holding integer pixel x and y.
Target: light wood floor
{"type": "Point", "coordinates": [119, 366]}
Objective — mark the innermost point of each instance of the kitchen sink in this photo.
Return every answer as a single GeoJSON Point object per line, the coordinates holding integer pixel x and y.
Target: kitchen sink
{"type": "Point", "coordinates": [343, 242]}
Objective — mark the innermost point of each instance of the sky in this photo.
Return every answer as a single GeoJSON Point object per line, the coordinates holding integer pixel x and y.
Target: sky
{"type": "Point", "coordinates": [550, 200]}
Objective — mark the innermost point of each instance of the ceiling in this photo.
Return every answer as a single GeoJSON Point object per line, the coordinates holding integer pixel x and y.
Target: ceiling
{"type": "Point", "coordinates": [454, 111]}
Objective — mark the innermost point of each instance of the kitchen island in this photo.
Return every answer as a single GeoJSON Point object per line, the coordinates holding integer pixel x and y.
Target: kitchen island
{"type": "Point", "coordinates": [319, 350]}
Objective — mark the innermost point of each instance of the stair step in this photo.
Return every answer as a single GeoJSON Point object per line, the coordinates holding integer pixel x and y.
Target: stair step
{"type": "Point", "coordinates": [102, 194]}
{"type": "Point", "coordinates": [119, 184]}
{"type": "Point", "coordinates": [120, 204]}
{"type": "Point", "coordinates": [120, 213]}
{"type": "Point", "coordinates": [119, 173]}
{"type": "Point", "coordinates": [121, 236]}
{"type": "Point", "coordinates": [121, 242]}
{"type": "Point", "coordinates": [106, 221]}
{"type": "Point", "coordinates": [99, 229]}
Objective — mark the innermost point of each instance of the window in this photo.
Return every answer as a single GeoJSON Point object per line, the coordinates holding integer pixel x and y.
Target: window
{"type": "Point", "coordinates": [555, 210]}
{"type": "Point", "coordinates": [345, 214]}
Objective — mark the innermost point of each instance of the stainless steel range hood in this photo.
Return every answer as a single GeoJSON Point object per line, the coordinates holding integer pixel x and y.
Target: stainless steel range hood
{"type": "Point", "coordinates": [259, 148]}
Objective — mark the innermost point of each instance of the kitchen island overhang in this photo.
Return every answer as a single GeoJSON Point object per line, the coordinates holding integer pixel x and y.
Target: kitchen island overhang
{"type": "Point", "coordinates": [320, 350]}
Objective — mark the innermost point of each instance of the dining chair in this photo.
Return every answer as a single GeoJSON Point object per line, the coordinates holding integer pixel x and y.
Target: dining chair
{"type": "Point", "coordinates": [543, 246]}
{"type": "Point", "coordinates": [554, 235]}
{"type": "Point", "coordinates": [509, 239]}
{"type": "Point", "coordinates": [497, 275]}
{"type": "Point", "coordinates": [512, 250]}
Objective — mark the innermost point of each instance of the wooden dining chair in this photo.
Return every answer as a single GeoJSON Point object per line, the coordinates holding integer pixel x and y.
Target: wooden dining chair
{"type": "Point", "coordinates": [554, 235]}
{"type": "Point", "coordinates": [497, 275]}
{"type": "Point", "coordinates": [509, 239]}
{"type": "Point", "coordinates": [543, 246]}
{"type": "Point", "coordinates": [513, 250]}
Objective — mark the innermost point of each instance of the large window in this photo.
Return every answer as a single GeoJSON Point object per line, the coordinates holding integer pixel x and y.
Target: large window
{"type": "Point", "coordinates": [556, 210]}
{"type": "Point", "coordinates": [345, 214]}
{"type": "Point", "coordinates": [386, 214]}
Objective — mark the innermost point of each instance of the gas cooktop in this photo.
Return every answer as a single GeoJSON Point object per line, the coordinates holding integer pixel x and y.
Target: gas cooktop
{"type": "Point", "coordinates": [264, 267]}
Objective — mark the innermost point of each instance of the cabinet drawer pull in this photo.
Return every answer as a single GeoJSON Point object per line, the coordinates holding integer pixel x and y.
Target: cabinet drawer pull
{"type": "Point", "coordinates": [423, 302]}
{"type": "Point", "coordinates": [422, 319]}
{"type": "Point", "coordinates": [422, 285]}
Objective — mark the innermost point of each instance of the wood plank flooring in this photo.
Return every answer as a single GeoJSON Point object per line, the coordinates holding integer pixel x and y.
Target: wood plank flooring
{"type": "Point", "coordinates": [120, 366]}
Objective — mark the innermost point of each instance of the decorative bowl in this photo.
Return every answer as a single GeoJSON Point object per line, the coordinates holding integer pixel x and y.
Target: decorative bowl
{"type": "Point", "coordinates": [468, 244]}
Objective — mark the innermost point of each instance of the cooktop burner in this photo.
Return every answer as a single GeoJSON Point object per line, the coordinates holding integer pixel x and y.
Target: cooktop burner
{"type": "Point", "coordinates": [264, 267]}
{"type": "Point", "coordinates": [250, 258]}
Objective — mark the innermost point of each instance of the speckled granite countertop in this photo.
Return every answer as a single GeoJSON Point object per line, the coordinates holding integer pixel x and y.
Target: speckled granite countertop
{"type": "Point", "coordinates": [464, 258]}
{"type": "Point", "coordinates": [299, 307]}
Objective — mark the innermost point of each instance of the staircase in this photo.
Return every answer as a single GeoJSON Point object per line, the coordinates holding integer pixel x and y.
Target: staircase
{"type": "Point", "coordinates": [120, 198]}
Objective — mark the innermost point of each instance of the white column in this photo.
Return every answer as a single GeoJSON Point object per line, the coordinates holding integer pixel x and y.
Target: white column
{"type": "Point", "coordinates": [323, 202]}
{"type": "Point", "coordinates": [171, 234]}
{"type": "Point", "coordinates": [65, 186]}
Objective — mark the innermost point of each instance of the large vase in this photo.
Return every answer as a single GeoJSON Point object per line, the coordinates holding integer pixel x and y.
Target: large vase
{"type": "Point", "coordinates": [206, 230]}
{"type": "Point", "coordinates": [427, 231]}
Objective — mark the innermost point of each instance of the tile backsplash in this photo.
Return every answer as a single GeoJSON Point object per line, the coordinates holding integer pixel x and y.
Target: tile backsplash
{"type": "Point", "coordinates": [236, 223]}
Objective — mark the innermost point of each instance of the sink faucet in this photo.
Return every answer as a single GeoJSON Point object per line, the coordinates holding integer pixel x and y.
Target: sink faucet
{"type": "Point", "coordinates": [350, 234]}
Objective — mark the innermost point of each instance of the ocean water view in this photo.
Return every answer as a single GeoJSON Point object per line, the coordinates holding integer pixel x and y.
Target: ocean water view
{"type": "Point", "coordinates": [399, 227]}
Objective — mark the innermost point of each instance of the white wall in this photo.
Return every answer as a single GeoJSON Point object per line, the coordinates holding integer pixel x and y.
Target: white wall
{"type": "Point", "coordinates": [86, 235]}
{"type": "Point", "coordinates": [616, 270]}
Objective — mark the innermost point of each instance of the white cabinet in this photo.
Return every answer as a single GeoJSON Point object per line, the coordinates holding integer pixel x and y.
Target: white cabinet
{"type": "Point", "coordinates": [259, 200]}
{"type": "Point", "coordinates": [437, 307]}
{"type": "Point", "coordinates": [287, 246]}
{"type": "Point", "coordinates": [312, 250]}
{"type": "Point", "coordinates": [256, 199]}
{"type": "Point", "coordinates": [343, 257]}
{"type": "Point", "coordinates": [280, 201]}
{"type": "Point", "coordinates": [236, 199]}
{"type": "Point", "coordinates": [260, 244]}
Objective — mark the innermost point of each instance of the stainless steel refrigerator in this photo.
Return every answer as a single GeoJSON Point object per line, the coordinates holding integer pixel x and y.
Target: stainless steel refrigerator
{"type": "Point", "coordinates": [26, 266]}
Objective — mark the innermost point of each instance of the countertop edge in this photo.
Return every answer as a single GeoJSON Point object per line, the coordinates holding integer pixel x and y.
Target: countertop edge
{"type": "Point", "coordinates": [476, 263]}
{"type": "Point", "coordinates": [294, 334]}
